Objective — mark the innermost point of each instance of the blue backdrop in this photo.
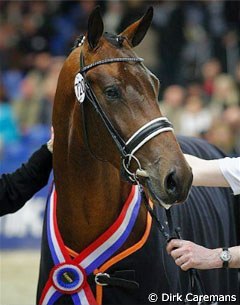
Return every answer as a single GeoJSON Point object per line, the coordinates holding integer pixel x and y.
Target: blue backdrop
{"type": "Point", "coordinates": [23, 229]}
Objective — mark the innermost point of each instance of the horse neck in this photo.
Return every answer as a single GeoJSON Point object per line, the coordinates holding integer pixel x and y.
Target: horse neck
{"type": "Point", "coordinates": [90, 197]}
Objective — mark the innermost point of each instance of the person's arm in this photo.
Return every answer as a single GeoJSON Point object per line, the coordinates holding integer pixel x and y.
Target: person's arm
{"type": "Point", "coordinates": [206, 172]}
{"type": "Point", "coordinates": [187, 254]}
{"type": "Point", "coordinates": [20, 186]}
{"type": "Point", "coordinates": [223, 172]}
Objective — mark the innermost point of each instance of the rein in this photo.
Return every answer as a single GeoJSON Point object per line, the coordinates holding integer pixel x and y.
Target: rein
{"type": "Point", "coordinates": [195, 285]}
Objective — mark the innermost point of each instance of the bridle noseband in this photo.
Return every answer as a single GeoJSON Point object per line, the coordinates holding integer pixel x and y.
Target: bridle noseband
{"type": "Point", "coordinates": [138, 139]}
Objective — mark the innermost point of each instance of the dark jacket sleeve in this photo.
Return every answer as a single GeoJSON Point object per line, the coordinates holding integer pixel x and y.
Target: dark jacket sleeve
{"type": "Point", "coordinates": [20, 186]}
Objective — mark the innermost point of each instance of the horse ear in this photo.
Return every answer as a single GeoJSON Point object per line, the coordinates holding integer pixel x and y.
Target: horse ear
{"type": "Point", "coordinates": [136, 31]}
{"type": "Point", "coordinates": [95, 28]}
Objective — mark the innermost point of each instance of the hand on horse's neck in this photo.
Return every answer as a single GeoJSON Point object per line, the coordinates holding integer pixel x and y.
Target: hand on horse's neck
{"type": "Point", "coordinates": [90, 201]}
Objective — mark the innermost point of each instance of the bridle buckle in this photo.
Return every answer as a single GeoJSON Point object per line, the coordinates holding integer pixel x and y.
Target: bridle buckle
{"type": "Point", "coordinates": [98, 275]}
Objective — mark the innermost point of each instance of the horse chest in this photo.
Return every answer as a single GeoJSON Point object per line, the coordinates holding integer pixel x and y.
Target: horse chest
{"type": "Point", "coordinates": [145, 266]}
{"type": "Point", "coordinates": [64, 275]}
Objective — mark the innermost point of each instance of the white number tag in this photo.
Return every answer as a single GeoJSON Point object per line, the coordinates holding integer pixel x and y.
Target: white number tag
{"type": "Point", "coordinates": [79, 86]}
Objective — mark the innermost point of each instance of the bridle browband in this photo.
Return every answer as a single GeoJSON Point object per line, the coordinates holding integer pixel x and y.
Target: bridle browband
{"type": "Point", "coordinates": [139, 138]}
{"type": "Point", "coordinates": [109, 61]}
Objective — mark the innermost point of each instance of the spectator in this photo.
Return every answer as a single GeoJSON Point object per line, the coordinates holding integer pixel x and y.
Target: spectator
{"type": "Point", "coordinates": [172, 105]}
{"type": "Point", "coordinates": [210, 70]}
{"type": "Point", "coordinates": [231, 117]}
{"type": "Point", "coordinates": [225, 94]}
{"type": "Point", "coordinates": [9, 131]}
{"type": "Point", "coordinates": [237, 77]}
{"type": "Point", "coordinates": [220, 135]}
{"type": "Point", "coordinates": [27, 109]}
{"type": "Point", "coordinates": [169, 22]}
{"type": "Point", "coordinates": [195, 119]}
{"type": "Point", "coordinates": [49, 86]}
{"type": "Point", "coordinates": [195, 88]}
{"type": "Point", "coordinates": [196, 49]}
{"type": "Point", "coordinates": [113, 15]}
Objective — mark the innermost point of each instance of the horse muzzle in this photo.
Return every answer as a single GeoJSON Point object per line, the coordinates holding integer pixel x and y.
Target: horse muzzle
{"type": "Point", "coordinates": [171, 190]}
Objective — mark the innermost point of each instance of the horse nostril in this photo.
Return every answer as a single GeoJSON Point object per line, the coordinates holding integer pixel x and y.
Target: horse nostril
{"type": "Point", "coordinates": [171, 183]}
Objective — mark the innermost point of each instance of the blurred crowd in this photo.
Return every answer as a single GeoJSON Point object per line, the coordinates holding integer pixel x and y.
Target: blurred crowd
{"type": "Point", "coordinates": [192, 46]}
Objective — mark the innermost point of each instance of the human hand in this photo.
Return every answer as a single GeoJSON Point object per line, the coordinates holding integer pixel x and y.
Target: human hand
{"type": "Point", "coordinates": [187, 254]}
{"type": "Point", "coordinates": [50, 142]}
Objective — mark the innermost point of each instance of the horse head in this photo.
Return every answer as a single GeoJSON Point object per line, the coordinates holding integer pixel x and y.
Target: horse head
{"type": "Point", "coordinates": [116, 117]}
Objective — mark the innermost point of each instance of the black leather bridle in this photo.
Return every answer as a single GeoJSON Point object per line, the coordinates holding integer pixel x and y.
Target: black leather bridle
{"type": "Point", "coordinates": [128, 148]}
{"type": "Point", "coordinates": [139, 138]}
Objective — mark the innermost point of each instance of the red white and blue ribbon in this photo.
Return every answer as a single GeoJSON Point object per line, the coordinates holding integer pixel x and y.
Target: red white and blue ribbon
{"type": "Point", "coordinates": [69, 276]}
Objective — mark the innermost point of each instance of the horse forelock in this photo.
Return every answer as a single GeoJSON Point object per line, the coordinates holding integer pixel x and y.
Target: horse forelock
{"type": "Point", "coordinates": [114, 39]}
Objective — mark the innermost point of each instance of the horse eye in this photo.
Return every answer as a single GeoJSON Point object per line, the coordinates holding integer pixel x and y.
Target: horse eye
{"type": "Point", "coordinates": [112, 93]}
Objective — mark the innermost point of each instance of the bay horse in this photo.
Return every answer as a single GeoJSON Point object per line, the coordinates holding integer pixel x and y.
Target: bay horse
{"type": "Point", "coordinates": [110, 136]}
